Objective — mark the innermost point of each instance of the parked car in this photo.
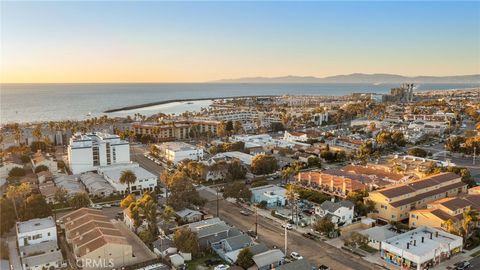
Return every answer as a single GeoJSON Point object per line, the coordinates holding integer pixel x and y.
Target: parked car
{"type": "Point", "coordinates": [107, 205]}
{"type": "Point", "coordinates": [462, 265]}
{"type": "Point", "coordinates": [251, 233]}
{"type": "Point", "coordinates": [309, 236]}
{"type": "Point", "coordinates": [221, 267]}
{"type": "Point", "coordinates": [323, 267]}
{"type": "Point", "coordinates": [97, 206]}
{"type": "Point", "coordinates": [295, 255]}
{"type": "Point", "coordinates": [245, 213]}
{"type": "Point", "coordinates": [288, 226]}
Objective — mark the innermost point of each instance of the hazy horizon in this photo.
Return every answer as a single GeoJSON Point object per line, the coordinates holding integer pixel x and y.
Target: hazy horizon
{"type": "Point", "coordinates": [202, 42]}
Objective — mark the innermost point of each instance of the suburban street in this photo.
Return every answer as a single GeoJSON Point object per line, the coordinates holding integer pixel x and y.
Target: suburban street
{"type": "Point", "coordinates": [137, 155]}
{"type": "Point", "coordinates": [272, 234]}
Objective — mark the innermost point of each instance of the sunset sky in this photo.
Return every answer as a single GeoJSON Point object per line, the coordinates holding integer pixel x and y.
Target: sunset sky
{"type": "Point", "coordinates": [197, 42]}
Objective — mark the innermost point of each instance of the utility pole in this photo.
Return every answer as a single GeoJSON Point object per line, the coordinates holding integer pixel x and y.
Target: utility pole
{"type": "Point", "coordinates": [286, 240]}
{"type": "Point", "coordinates": [217, 203]}
{"type": "Point", "coordinates": [474, 153]}
{"type": "Point", "coordinates": [256, 222]}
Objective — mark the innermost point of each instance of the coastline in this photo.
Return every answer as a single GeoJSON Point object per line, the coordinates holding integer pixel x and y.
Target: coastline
{"type": "Point", "coordinates": [150, 104]}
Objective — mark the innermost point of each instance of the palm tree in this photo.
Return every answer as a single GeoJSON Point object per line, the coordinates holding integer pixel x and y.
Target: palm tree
{"type": "Point", "coordinates": [451, 226]}
{"type": "Point", "coordinates": [292, 198]}
{"type": "Point", "coordinates": [128, 177]}
{"type": "Point", "coordinates": [37, 132]}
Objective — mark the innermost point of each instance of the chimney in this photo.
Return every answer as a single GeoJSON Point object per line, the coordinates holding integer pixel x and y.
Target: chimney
{"type": "Point", "coordinates": [423, 239]}
{"type": "Point", "coordinates": [436, 234]}
{"type": "Point", "coordinates": [415, 242]}
{"type": "Point", "coordinates": [431, 235]}
{"type": "Point", "coordinates": [408, 245]}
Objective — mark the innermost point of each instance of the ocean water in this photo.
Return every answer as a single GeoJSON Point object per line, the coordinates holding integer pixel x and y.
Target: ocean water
{"type": "Point", "coordinates": [51, 102]}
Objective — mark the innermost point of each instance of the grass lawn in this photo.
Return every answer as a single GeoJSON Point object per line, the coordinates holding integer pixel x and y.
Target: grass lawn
{"type": "Point", "coordinates": [192, 265]}
{"type": "Point", "coordinates": [368, 249]}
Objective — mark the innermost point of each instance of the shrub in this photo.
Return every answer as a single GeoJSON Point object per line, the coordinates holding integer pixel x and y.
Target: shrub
{"type": "Point", "coordinates": [16, 172]}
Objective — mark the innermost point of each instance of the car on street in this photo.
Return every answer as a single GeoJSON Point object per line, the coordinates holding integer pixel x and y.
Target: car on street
{"type": "Point", "coordinates": [323, 267]}
{"type": "Point", "coordinates": [245, 213]}
{"type": "Point", "coordinates": [251, 233]}
{"type": "Point", "coordinates": [462, 265]}
{"type": "Point", "coordinates": [107, 205]}
{"type": "Point", "coordinates": [295, 255]}
{"type": "Point", "coordinates": [287, 226]}
{"type": "Point", "coordinates": [309, 236]}
{"type": "Point", "coordinates": [97, 206]}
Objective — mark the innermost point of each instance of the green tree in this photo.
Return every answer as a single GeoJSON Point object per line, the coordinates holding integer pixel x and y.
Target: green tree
{"type": "Point", "coordinates": [418, 152]}
{"type": "Point", "coordinates": [16, 172]}
{"type": "Point", "coordinates": [36, 207]}
{"type": "Point", "coordinates": [186, 241]}
{"type": "Point", "coordinates": [79, 200]}
{"type": "Point", "coordinates": [41, 168]}
{"type": "Point", "coordinates": [264, 164]}
{"type": "Point", "coordinates": [25, 159]}
{"type": "Point", "coordinates": [324, 225]}
{"type": "Point", "coordinates": [147, 237]}
{"type": "Point", "coordinates": [183, 193]}
{"type": "Point", "coordinates": [314, 161]}
{"type": "Point", "coordinates": [37, 132]}
{"type": "Point", "coordinates": [245, 258]}
{"type": "Point", "coordinates": [128, 177]}
{"type": "Point", "coordinates": [237, 191]}
{"type": "Point", "coordinates": [235, 170]}
{"type": "Point", "coordinates": [60, 195]}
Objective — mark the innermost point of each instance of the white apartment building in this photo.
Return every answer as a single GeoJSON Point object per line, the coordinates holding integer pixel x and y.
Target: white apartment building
{"type": "Point", "coordinates": [175, 152]}
{"type": "Point", "coordinates": [36, 231]}
{"type": "Point", "coordinates": [146, 181]}
{"type": "Point", "coordinates": [88, 152]}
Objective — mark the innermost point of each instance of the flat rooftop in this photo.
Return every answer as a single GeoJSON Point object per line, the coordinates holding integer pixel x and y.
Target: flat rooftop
{"type": "Point", "coordinates": [176, 146]}
{"type": "Point", "coordinates": [439, 239]}
{"type": "Point", "coordinates": [35, 224]}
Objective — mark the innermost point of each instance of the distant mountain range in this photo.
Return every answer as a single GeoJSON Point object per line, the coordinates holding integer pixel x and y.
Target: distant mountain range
{"type": "Point", "coordinates": [358, 78]}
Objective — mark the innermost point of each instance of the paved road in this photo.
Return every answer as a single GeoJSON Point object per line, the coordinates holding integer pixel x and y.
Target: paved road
{"type": "Point", "coordinates": [137, 154]}
{"type": "Point", "coordinates": [475, 263]}
{"type": "Point", "coordinates": [271, 234]}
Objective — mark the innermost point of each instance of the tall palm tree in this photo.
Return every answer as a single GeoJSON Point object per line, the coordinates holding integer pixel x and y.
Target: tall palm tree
{"type": "Point", "coordinates": [128, 177]}
{"type": "Point", "coordinates": [37, 132]}
{"type": "Point", "coordinates": [292, 198]}
{"type": "Point", "coordinates": [469, 216]}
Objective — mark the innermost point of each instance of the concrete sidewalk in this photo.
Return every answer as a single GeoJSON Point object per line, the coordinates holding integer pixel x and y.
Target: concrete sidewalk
{"type": "Point", "coordinates": [458, 258]}
{"type": "Point", "coordinates": [13, 253]}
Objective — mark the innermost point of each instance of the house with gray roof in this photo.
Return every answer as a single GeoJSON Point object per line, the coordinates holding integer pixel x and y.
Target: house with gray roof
{"type": "Point", "coordinates": [212, 231]}
{"type": "Point", "coordinates": [378, 234]}
{"type": "Point", "coordinates": [340, 213]}
{"type": "Point", "coordinates": [269, 259]}
{"type": "Point", "coordinates": [229, 248]}
{"type": "Point", "coordinates": [302, 264]}
{"type": "Point", "coordinates": [188, 215]}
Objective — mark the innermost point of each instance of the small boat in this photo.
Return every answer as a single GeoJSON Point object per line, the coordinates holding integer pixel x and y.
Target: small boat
{"type": "Point", "coordinates": [89, 114]}
{"type": "Point", "coordinates": [189, 102]}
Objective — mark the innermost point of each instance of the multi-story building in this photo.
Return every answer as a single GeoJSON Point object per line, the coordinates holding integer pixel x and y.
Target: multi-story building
{"type": "Point", "coordinates": [340, 182]}
{"type": "Point", "coordinates": [178, 130]}
{"type": "Point", "coordinates": [438, 213]}
{"type": "Point", "coordinates": [175, 152]}
{"type": "Point", "coordinates": [35, 231]}
{"type": "Point", "coordinates": [145, 181]}
{"type": "Point", "coordinates": [94, 238]}
{"type": "Point", "coordinates": [395, 203]}
{"type": "Point", "coordinates": [295, 136]}
{"type": "Point", "coordinates": [37, 242]}
{"type": "Point", "coordinates": [87, 152]}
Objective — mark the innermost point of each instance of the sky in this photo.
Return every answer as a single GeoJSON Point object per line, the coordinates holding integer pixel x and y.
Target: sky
{"type": "Point", "coordinates": [66, 42]}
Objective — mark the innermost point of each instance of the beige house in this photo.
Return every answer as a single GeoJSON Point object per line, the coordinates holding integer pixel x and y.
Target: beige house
{"type": "Point", "coordinates": [94, 239]}
{"type": "Point", "coordinates": [395, 203]}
